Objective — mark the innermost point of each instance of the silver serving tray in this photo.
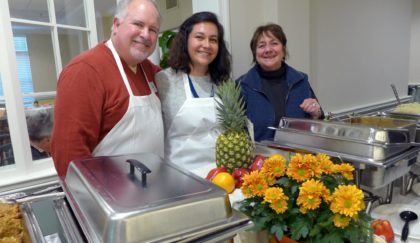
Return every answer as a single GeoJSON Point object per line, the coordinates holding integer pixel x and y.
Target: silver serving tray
{"type": "Point", "coordinates": [368, 141]}
{"type": "Point", "coordinates": [112, 205]}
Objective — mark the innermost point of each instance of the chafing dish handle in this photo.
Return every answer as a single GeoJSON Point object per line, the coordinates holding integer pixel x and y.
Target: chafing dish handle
{"type": "Point", "coordinates": [142, 168]}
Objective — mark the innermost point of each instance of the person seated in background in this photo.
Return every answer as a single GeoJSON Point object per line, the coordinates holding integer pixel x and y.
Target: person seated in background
{"type": "Point", "coordinates": [272, 89]}
{"type": "Point", "coordinates": [40, 124]}
{"type": "Point", "coordinates": [199, 61]}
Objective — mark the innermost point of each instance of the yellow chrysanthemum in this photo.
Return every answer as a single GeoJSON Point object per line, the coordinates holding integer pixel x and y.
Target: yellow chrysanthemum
{"type": "Point", "coordinates": [326, 195]}
{"type": "Point", "coordinates": [347, 200]}
{"type": "Point", "coordinates": [274, 194]}
{"type": "Point", "coordinates": [280, 206]}
{"type": "Point", "coordinates": [326, 165]}
{"type": "Point", "coordinates": [345, 169]}
{"type": "Point", "coordinates": [341, 221]}
{"type": "Point", "coordinates": [276, 157]}
{"type": "Point", "coordinates": [313, 187]}
{"type": "Point", "coordinates": [296, 159]}
{"type": "Point", "coordinates": [308, 201]}
{"type": "Point", "coordinates": [314, 164]}
{"type": "Point", "coordinates": [298, 169]}
{"type": "Point", "coordinates": [303, 210]}
{"type": "Point", "coordinates": [269, 178]}
{"type": "Point", "coordinates": [254, 184]}
{"type": "Point", "coordinates": [274, 166]}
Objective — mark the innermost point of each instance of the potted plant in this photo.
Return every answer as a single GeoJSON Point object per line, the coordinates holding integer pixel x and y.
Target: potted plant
{"type": "Point", "coordinates": [165, 41]}
{"type": "Point", "coordinates": [308, 199]}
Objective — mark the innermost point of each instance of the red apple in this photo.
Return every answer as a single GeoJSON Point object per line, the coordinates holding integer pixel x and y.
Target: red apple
{"type": "Point", "coordinates": [258, 162]}
{"type": "Point", "coordinates": [238, 175]}
{"type": "Point", "coordinates": [212, 173]}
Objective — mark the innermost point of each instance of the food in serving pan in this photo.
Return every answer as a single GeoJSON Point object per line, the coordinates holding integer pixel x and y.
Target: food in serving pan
{"type": "Point", "coordinates": [409, 108]}
{"type": "Point", "coordinates": [12, 226]}
{"type": "Point", "coordinates": [379, 122]}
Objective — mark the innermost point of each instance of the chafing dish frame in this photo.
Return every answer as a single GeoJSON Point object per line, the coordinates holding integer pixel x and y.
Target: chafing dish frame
{"type": "Point", "coordinates": [218, 232]}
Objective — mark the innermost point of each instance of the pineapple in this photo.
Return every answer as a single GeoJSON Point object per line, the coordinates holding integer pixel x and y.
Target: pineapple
{"type": "Point", "coordinates": [233, 147]}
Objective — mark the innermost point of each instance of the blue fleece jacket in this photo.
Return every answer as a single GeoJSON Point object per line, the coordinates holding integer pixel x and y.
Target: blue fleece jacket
{"type": "Point", "coordinates": [258, 107]}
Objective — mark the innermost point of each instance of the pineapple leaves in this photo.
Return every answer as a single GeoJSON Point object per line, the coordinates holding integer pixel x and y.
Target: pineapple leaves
{"type": "Point", "coordinates": [230, 107]}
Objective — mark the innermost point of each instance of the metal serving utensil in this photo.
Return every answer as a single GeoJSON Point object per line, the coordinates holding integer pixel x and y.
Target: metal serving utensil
{"type": "Point", "coordinates": [396, 93]}
{"type": "Point", "coordinates": [32, 198]}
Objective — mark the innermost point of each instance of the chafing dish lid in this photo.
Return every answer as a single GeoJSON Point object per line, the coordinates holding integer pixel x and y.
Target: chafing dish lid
{"type": "Point", "coordinates": [110, 177]}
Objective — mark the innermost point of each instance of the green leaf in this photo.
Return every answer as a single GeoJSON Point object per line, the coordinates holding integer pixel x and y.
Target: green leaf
{"type": "Point", "coordinates": [277, 230]}
{"type": "Point", "coordinates": [166, 38]}
{"type": "Point", "coordinates": [332, 238]}
{"type": "Point", "coordinates": [300, 228]}
{"type": "Point", "coordinates": [315, 231]}
{"type": "Point", "coordinates": [165, 41]}
{"type": "Point", "coordinates": [294, 189]}
{"type": "Point", "coordinates": [279, 234]}
{"type": "Point", "coordinates": [352, 234]}
{"type": "Point", "coordinates": [283, 181]}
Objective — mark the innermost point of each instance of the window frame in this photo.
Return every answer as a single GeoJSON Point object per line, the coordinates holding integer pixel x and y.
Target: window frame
{"type": "Point", "coordinates": [25, 170]}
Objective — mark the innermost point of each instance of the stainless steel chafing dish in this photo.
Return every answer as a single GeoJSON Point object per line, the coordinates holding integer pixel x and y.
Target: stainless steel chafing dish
{"type": "Point", "coordinates": [161, 202]}
{"type": "Point", "coordinates": [372, 138]}
{"type": "Point", "coordinates": [382, 149]}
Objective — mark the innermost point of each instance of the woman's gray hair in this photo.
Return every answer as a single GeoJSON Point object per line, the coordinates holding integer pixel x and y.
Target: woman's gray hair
{"type": "Point", "coordinates": [40, 123]}
{"type": "Point", "coordinates": [121, 10]}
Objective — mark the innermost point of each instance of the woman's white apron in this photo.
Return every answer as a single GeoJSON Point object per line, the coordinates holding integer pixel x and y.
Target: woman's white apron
{"type": "Point", "coordinates": [191, 137]}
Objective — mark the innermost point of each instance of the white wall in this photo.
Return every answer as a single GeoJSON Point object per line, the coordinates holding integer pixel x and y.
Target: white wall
{"type": "Point", "coordinates": [173, 17]}
{"type": "Point", "coordinates": [293, 17]}
{"type": "Point", "coordinates": [415, 44]}
{"type": "Point", "coordinates": [245, 16]}
{"type": "Point", "coordinates": [358, 48]}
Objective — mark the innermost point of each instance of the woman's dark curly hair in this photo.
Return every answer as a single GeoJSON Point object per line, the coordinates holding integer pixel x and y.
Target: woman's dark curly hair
{"type": "Point", "coordinates": [179, 58]}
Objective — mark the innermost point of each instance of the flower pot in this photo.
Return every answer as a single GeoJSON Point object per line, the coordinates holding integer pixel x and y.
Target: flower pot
{"type": "Point", "coordinates": [285, 239]}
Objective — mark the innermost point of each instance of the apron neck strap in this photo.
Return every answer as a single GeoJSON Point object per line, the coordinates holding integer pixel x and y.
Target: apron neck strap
{"type": "Point", "coordinates": [122, 72]}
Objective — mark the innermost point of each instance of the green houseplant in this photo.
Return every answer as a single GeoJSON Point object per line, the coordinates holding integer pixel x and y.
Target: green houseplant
{"type": "Point", "coordinates": [165, 41]}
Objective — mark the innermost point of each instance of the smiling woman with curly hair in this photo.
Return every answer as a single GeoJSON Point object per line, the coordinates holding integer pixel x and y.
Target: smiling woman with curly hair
{"type": "Point", "coordinates": [198, 62]}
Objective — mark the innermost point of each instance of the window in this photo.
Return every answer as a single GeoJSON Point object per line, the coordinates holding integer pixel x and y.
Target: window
{"type": "Point", "coordinates": [24, 67]}
{"type": "Point", "coordinates": [38, 38]}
